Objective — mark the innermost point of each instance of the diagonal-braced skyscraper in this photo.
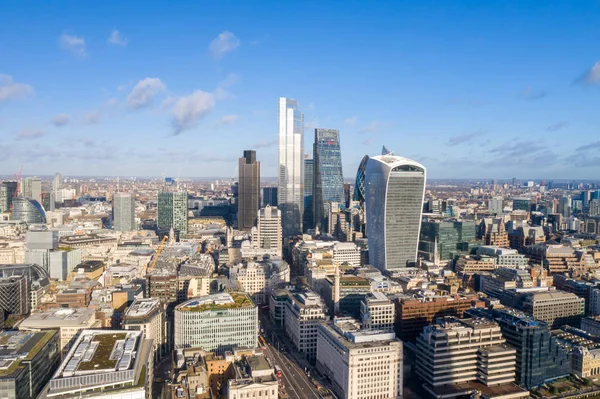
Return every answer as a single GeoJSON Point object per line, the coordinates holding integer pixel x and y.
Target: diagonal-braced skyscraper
{"type": "Point", "coordinates": [290, 174]}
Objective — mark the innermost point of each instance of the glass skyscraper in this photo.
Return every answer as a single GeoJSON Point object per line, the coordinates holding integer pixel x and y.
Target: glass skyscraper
{"type": "Point", "coordinates": [248, 190]}
{"type": "Point", "coordinates": [28, 210]}
{"type": "Point", "coordinates": [8, 190]}
{"type": "Point", "coordinates": [394, 191]}
{"type": "Point", "coordinates": [308, 218]}
{"type": "Point", "coordinates": [173, 211]}
{"type": "Point", "coordinates": [290, 187]}
{"type": "Point", "coordinates": [359, 184]}
{"type": "Point", "coordinates": [328, 181]}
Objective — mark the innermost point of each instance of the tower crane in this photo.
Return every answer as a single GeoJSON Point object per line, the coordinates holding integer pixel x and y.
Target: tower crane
{"type": "Point", "coordinates": [158, 251]}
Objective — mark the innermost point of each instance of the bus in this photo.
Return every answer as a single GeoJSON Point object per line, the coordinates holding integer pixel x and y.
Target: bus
{"type": "Point", "coordinates": [278, 372]}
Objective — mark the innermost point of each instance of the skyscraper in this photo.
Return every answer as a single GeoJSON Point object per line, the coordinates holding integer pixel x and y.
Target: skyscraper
{"type": "Point", "coordinates": [328, 181]}
{"type": "Point", "coordinates": [248, 190]}
{"type": "Point", "coordinates": [8, 191]}
{"type": "Point", "coordinates": [269, 196]}
{"type": "Point", "coordinates": [308, 217]}
{"type": "Point", "coordinates": [267, 233]}
{"type": "Point", "coordinates": [359, 184]}
{"type": "Point", "coordinates": [56, 183]}
{"type": "Point", "coordinates": [28, 210]}
{"type": "Point", "coordinates": [290, 192]}
{"type": "Point", "coordinates": [394, 191]}
{"type": "Point", "coordinates": [32, 187]}
{"type": "Point", "coordinates": [172, 211]}
{"type": "Point", "coordinates": [124, 212]}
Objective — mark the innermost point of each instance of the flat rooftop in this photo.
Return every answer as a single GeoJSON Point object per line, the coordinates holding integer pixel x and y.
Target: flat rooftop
{"type": "Point", "coordinates": [142, 307]}
{"type": "Point", "coordinates": [18, 346]}
{"type": "Point", "coordinates": [98, 351]}
{"type": "Point", "coordinates": [217, 301]}
{"type": "Point", "coordinates": [63, 317]}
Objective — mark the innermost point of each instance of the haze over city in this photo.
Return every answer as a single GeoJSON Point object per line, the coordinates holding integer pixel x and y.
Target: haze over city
{"type": "Point", "coordinates": [470, 89]}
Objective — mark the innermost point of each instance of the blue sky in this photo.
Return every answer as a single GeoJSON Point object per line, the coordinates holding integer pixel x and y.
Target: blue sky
{"type": "Point", "coordinates": [470, 89]}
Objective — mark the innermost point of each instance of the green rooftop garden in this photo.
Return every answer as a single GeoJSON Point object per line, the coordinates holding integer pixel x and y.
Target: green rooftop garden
{"type": "Point", "coordinates": [101, 359]}
{"type": "Point", "coordinates": [240, 300]}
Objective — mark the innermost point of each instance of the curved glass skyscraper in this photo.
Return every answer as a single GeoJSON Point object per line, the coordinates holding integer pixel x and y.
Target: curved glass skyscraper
{"type": "Point", "coordinates": [28, 210]}
{"type": "Point", "coordinates": [359, 184]}
{"type": "Point", "coordinates": [328, 178]}
{"type": "Point", "coordinates": [290, 175]}
{"type": "Point", "coordinates": [394, 191]}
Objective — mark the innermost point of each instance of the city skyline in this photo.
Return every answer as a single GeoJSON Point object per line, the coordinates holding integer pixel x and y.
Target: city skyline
{"type": "Point", "coordinates": [437, 96]}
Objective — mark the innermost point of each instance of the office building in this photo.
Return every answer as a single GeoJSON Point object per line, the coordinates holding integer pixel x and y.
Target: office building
{"type": "Point", "coordinates": [328, 181]}
{"type": "Point", "coordinates": [28, 210]}
{"type": "Point", "coordinates": [557, 308]}
{"type": "Point", "coordinates": [41, 239]}
{"type": "Point", "coordinates": [496, 205]}
{"type": "Point", "coordinates": [303, 313]}
{"type": "Point", "coordinates": [359, 184]}
{"type": "Point", "coordinates": [268, 232]}
{"type": "Point", "coordinates": [258, 278]}
{"type": "Point", "coordinates": [105, 363]}
{"type": "Point", "coordinates": [56, 185]}
{"type": "Point", "coordinates": [69, 323]}
{"type": "Point", "coordinates": [493, 232]}
{"type": "Point", "coordinates": [269, 196]}
{"type": "Point", "coordinates": [124, 212]}
{"type": "Point", "coordinates": [394, 190]}
{"type": "Point", "coordinates": [32, 188]}
{"type": "Point", "coordinates": [442, 240]}
{"type": "Point", "coordinates": [521, 204]}
{"type": "Point", "coordinates": [413, 314]}
{"type": "Point", "coordinates": [173, 211]}
{"type": "Point", "coordinates": [377, 312]}
{"type": "Point", "coordinates": [471, 264]}
{"type": "Point", "coordinates": [248, 190]}
{"type": "Point", "coordinates": [21, 286]}
{"type": "Point", "coordinates": [147, 315]}
{"type": "Point", "coordinates": [290, 175]}
{"type": "Point", "coordinates": [309, 174]}
{"type": "Point", "coordinates": [360, 364]}
{"type": "Point", "coordinates": [458, 356]}
{"type": "Point", "coordinates": [58, 263]}
{"type": "Point", "coordinates": [8, 191]}
{"type": "Point", "coordinates": [253, 377]}
{"type": "Point", "coordinates": [540, 357]}
{"type": "Point", "coordinates": [217, 323]}
{"type": "Point", "coordinates": [28, 360]}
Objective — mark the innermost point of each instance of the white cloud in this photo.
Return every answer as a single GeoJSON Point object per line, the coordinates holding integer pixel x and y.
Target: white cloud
{"type": "Point", "coordinates": [61, 120]}
{"type": "Point", "coordinates": [9, 89]}
{"type": "Point", "coordinates": [30, 134]}
{"type": "Point", "coordinates": [144, 91]}
{"type": "Point", "coordinates": [223, 44]}
{"type": "Point", "coordinates": [117, 39]}
{"type": "Point", "coordinates": [167, 102]}
{"type": "Point", "coordinates": [73, 44]}
{"type": "Point", "coordinates": [592, 76]}
{"type": "Point", "coordinates": [187, 111]}
{"type": "Point", "coordinates": [228, 119]}
{"type": "Point", "coordinates": [222, 91]}
{"type": "Point", "coordinates": [351, 121]}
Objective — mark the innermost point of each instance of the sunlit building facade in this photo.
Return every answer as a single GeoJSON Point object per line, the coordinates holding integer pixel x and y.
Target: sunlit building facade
{"type": "Point", "coordinates": [328, 181]}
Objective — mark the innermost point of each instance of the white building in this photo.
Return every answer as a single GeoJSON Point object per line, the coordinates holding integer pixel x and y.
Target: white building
{"type": "Point", "coordinates": [69, 323]}
{"type": "Point", "coordinates": [303, 312]}
{"type": "Point", "coordinates": [253, 378]}
{"type": "Point", "coordinates": [504, 257]}
{"type": "Point", "coordinates": [258, 278]}
{"type": "Point", "coordinates": [217, 323]}
{"type": "Point", "coordinates": [290, 174]}
{"type": "Point", "coordinates": [124, 212]}
{"type": "Point", "coordinates": [394, 191]}
{"type": "Point", "coordinates": [147, 315]}
{"type": "Point", "coordinates": [377, 312]}
{"type": "Point", "coordinates": [267, 235]}
{"type": "Point", "coordinates": [360, 364]}
{"type": "Point", "coordinates": [346, 252]}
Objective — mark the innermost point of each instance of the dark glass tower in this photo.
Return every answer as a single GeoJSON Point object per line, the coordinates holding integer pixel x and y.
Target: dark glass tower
{"type": "Point", "coordinates": [8, 190]}
{"type": "Point", "coordinates": [248, 190]}
{"type": "Point", "coordinates": [308, 218]}
{"type": "Point", "coordinates": [269, 196]}
{"type": "Point", "coordinates": [328, 181]}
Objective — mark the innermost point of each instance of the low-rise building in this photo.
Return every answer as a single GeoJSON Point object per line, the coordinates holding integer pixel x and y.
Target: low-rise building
{"type": "Point", "coordinates": [471, 264]}
{"type": "Point", "coordinates": [557, 308]}
{"type": "Point", "coordinates": [253, 377]}
{"type": "Point", "coordinates": [105, 363]}
{"type": "Point", "coordinates": [359, 363]}
{"type": "Point", "coordinates": [303, 312]}
{"type": "Point", "coordinates": [147, 315]}
{"type": "Point", "coordinates": [217, 323]}
{"type": "Point", "coordinates": [377, 312]}
{"type": "Point", "coordinates": [69, 322]}
{"type": "Point", "coordinates": [27, 361]}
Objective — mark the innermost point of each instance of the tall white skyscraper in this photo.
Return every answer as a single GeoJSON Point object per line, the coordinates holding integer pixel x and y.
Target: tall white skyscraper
{"type": "Point", "coordinates": [394, 191]}
{"type": "Point", "coordinates": [32, 187]}
{"type": "Point", "coordinates": [56, 183]}
{"type": "Point", "coordinates": [290, 188]}
{"type": "Point", "coordinates": [124, 212]}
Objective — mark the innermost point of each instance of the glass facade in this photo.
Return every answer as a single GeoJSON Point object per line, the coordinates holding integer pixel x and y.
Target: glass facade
{"type": "Point", "coordinates": [394, 191]}
{"type": "Point", "coordinates": [359, 185]}
{"type": "Point", "coordinates": [124, 212]}
{"type": "Point", "coordinates": [8, 190]}
{"type": "Point", "coordinates": [173, 211]}
{"type": "Point", "coordinates": [451, 238]}
{"type": "Point", "coordinates": [28, 210]}
{"type": "Point", "coordinates": [308, 193]}
{"type": "Point", "coordinates": [290, 183]}
{"type": "Point", "coordinates": [328, 179]}
{"type": "Point", "coordinates": [248, 190]}
{"type": "Point", "coordinates": [269, 196]}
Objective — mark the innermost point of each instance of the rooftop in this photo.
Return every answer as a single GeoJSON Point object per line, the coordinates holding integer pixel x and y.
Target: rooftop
{"type": "Point", "coordinates": [62, 317]}
{"type": "Point", "coordinates": [142, 307]}
{"type": "Point", "coordinates": [17, 346]}
{"type": "Point", "coordinates": [217, 301]}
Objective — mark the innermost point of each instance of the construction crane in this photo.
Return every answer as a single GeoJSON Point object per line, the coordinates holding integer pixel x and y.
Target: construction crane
{"type": "Point", "coordinates": [158, 251]}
